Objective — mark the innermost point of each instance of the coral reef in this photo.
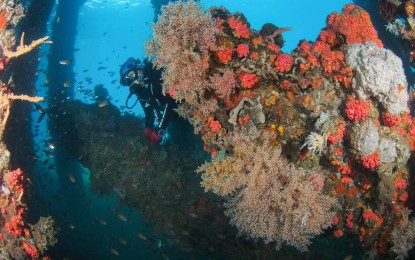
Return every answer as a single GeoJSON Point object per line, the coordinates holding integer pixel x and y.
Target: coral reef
{"type": "Point", "coordinates": [157, 181]}
{"type": "Point", "coordinates": [335, 129]}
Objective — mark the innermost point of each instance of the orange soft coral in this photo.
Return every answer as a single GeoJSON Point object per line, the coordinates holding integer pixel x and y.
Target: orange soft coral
{"type": "Point", "coordinates": [356, 110]}
{"type": "Point", "coordinates": [370, 216]}
{"type": "Point", "coordinates": [224, 56]}
{"type": "Point", "coordinates": [390, 120]}
{"type": "Point", "coordinates": [332, 61]}
{"type": "Point", "coordinates": [353, 24]}
{"type": "Point", "coordinates": [15, 180]}
{"type": "Point", "coordinates": [273, 47]}
{"type": "Point", "coordinates": [371, 161]}
{"type": "Point", "coordinates": [30, 250]}
{"type": "Point", "coordinates": [15, 226]}
{"type": "Point", "coordinates": [239, 28]}
{"type": "Point", "coordinates": [400, 184]}
{"type": "Point", "coordinates": [3, 19]}
{"type": "Point", "coordinates": [340, 131]}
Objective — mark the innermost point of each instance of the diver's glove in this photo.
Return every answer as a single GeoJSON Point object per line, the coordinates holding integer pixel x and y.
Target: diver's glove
{"type": "Point", "coordinates": [152, 136]}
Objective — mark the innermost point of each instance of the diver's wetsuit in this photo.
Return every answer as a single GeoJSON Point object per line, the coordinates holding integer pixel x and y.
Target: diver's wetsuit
{"type": "Point", "coordinates": [157, 107]}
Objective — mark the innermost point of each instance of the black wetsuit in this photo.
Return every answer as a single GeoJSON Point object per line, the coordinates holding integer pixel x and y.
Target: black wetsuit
{"type": "Point", "coordinates": [157, 107]}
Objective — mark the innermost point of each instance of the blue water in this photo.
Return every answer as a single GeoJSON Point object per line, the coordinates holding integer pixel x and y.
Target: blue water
{"type": "Point", "coordinates": [107, 33]}
{"type": "Point", "coordinates": [111, 31]}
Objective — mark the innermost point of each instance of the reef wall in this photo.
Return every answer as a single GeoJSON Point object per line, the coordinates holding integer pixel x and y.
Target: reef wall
{"type": "Point", "coordinates": [312, 141]}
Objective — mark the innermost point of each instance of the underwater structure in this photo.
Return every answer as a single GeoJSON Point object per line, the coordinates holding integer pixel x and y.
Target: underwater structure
{"type": "Point", "coordinates": [18, 238]}
{"type": "Point", "coordinates": [302, 142]}
{"type": "Point", "coordinates": [300, 149]}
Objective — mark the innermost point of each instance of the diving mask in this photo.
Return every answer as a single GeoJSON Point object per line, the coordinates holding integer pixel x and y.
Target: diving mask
{"type": "Point", "coordinates": [134, 77]}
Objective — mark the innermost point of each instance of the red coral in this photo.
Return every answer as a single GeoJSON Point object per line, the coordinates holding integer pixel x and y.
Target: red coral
{"type": "Point", "coordinates": [215, 126]}
{"type": "Point", "coordinates": [304, 46]}
{"type": "Point", "coordinates": [338, 233]}
{"type": "Point", "coordinates": [411, 133]}
{"type": "Point", "coordinates": [332, 61]}
{"type": "Point", "coordinates": [287, 85]}
{"type": "Point", "coordinates": [346, 180]}
{"type": "Point", "coordinates": [242, 50]}
{"type": "Point", "coordinates": [284, 62]}
{"type": "Point", "coordinates": [312, 60]}
{"type": "Point", "coordinates": [15, 226]}
{"type": "Point", "coordinates": [248, 80]}
{"type": "Point", "coordinates": [404, 196]}
{"type": "Point", "coordinates": [356, 110]}
{"type": "Point", "coordinates": [349, 222]}
{"type": "Point", "coordinates": [371, 216]}
{"type": "Point", "coordinates": [335, 220]}
{"type": "Point", "coordinates": [371, 161]}
{"type": "Point", "coordinates": [273, 47]}
{"type": "Point", "coordinates": [328, 37]}
{"type": "Point", "coordinates": [244, 120]}
{"type": "Point", "coordinates": [224, 56]}
{"type": "Point", "coordinates": [341, 130]}
{"type": "Point", "coordinates": [344, 76]}
{"type": "Point", "coordinates": [31, 250]}
{"type": "Point", "coordinates": [254, 55]}
{"type": "Point", "coordinates": [240, 29]}
{"type": "Point", "coordinates": [15, 180]}
{"type": "Point", "coordinates": [400, 184]}
{"type": "Point", "coordinates": [354, 25]}
{"type": "Point", "coordinates": [338, 152]}
{"type": "Point", "coordinates": [3, 19]}
{"type": "Point", "coordinates": [320, 47]}
{"type": "Point", "coordinates": [390, 119]}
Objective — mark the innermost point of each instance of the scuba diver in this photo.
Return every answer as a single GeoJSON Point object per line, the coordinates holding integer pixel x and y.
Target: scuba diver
{"type": "Point", "coordinates": [145, 82]}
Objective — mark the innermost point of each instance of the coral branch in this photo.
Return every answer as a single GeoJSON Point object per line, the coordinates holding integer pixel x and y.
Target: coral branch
{"type": "Point", "coordinates": [5, 105]}
{"type": "Point", "coordinates": [25, 97]}
{"type": "Point", "coordinates": [22, 49]}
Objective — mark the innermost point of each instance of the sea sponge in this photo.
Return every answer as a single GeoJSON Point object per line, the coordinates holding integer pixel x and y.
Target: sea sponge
{"type": "Point", "coordinates": [378, 74]}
